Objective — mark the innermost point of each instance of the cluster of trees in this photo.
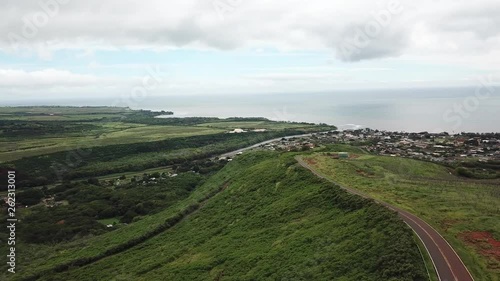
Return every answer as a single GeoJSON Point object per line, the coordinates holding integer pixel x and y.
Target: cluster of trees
{"type": "Point", "coordinates": [30, 196]}
{"type": "Point", "coordinates": [16, 129]}
{"type": "Point", "coordinates": [88, 203]}
{"type": "Point", "coordinates": [128, 244]}
{"type": "Point", "coordinates": [26, 128]}
{"type": "Point", "coordinates": [479, 169]}
{"type": "Point", "coordinates": [68, 165]}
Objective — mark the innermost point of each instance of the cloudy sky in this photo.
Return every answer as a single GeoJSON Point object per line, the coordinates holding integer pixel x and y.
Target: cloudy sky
{"type": "Point", "coordinates": [66, 48]}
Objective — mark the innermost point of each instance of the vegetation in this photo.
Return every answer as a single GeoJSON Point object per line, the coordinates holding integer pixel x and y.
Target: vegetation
{"type": "Point", "coordinates": [120, 194]}
{"type": "Point", "coordinates": [479, 169]}
{"type": "Point", "coordinates": [90, 202]}
{"type": "Point", "coordinates": [21, 139]}
{"type": "Point", "coordinates": [455, 206]}
{"type": "Point", "coordinates": [45, 152]}
{"type": "Point", "coordinates": [33, 131]}
{"type": "Point", "coordinates": [98, 161]}
{"type": "Point", "coordinates": [262, 217]}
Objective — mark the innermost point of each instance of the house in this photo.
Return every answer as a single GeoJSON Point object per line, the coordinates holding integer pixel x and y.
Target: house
{"type": "Point", "coordinates": [237, 131]}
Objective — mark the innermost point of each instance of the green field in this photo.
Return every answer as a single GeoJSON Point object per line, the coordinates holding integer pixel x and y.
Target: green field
{"type": "Point", "coordinates": [105, 134]}
{"type": "Point", "coordinates": [260, 218]}
{"type": "Point", "coordinates": [109, 221]}
{"type": "Point", "coordinates": [34, 131]}
{"type": "Point", "coordinates": [60, 110]}
{"type": "Point", "coordinates": [47, 152]}
{"type": "Point", "coordinates": [253, 125]}
{"type": "Point", "coordinates": [73, 117]}
{"type": "Point", "coordinates": [458, 208]}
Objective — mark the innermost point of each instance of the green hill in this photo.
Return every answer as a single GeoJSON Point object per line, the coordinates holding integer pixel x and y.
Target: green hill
{"type": "Point", "coordinates": [270, 220]}
{"type": "Point", "coordinates": [465, 211]}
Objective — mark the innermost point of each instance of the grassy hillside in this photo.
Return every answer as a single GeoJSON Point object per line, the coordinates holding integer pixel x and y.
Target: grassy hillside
{"type": "Point", "coordinates": [466, 212]}
{"type": "Point", "coordinates": [266, 219]}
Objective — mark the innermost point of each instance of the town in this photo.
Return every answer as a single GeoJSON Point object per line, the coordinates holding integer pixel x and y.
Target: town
{"type": "Point", "coordinates": [436, 147]}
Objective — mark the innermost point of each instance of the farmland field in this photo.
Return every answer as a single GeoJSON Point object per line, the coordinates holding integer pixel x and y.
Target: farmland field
{"type": "Point", "coordinates": [106, 134]}
{"type": "Point", "coordinates": [34, 131]}
{"type": "Point", "coordinates": [466, 212]}
{"type": "Point", "coordinates": [60, 110]}
{"type": "Point", "coordinates": [46, 152]}
{"type": "Point", "coordinates": [253, 125]}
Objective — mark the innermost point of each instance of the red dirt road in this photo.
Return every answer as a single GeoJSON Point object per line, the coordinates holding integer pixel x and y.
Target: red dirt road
{"type": "Point", "coordinates": [447, 263]}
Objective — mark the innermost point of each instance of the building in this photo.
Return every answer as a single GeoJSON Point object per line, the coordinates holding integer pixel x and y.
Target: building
{"type": "Point", "coordinates": [237, 131]}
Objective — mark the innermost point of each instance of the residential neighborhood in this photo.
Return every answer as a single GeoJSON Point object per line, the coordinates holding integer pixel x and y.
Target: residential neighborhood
{"type": "Point", "coordinates": [437, 147]}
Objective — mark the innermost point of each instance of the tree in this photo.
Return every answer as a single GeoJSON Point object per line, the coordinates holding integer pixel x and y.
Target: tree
{"type": "Point", "coordinates": [93, 181]}
{"type": "Point", "coordinates": [128, 217]}
{"type": "Point", "coordinates": [30, 197]}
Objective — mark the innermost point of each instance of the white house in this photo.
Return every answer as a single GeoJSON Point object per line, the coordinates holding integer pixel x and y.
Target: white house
{"type": "Point", "coordinates": [237, 131]}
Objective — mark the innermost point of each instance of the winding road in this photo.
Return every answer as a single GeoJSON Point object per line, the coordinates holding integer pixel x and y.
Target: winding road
{"type": "Point", "coordinates": [447, 263]}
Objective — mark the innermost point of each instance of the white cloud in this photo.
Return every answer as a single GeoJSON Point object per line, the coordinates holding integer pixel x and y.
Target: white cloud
{"type": "Point", "coordinates": [289, 25]}
{"type": "Point", "coordinates": [48, 78]}
{"type": "Point", "coordinates": [438, 32]}
{"type": "Point", "coordinates": [293, 76]}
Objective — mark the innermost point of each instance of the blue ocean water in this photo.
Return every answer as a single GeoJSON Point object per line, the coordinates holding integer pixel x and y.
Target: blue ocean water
{"type": "Point", "coordinates": [411, 110]}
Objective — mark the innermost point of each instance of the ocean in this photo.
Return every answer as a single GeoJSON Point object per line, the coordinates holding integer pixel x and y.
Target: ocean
{"type": "Point", "coordinates": [412, 110]}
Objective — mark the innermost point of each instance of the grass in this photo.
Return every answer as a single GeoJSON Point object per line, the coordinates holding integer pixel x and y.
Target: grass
{"type": "Point", "coordinates": [39, 258]}
{"type": "Point", "coordinates": [68, 117]}
{"type": "Point", "coordinates": [272, 220]}
{"type": "Point", "coordinates": [132, 174]}
{"type": "Point", "coordinates": [61, 110]}
{"type": "Point", "coordinates": [109, 134]}
{"type": "Point", "coordinates": [253, 125]}
{"type": "Point", "coordinates": [431, 270]}
{"type": "Point", "coordinates": [452, 205]}
{"type": "Point", "coordinates": [113, 133]}
{"type": "Point", "coordinates": [34, 131]}
{"type": "Point", "coordinates": [111, 221]}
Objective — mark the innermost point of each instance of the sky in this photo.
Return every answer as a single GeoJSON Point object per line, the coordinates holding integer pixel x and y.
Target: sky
{"type": "Point", "coordinates": [95, 48]}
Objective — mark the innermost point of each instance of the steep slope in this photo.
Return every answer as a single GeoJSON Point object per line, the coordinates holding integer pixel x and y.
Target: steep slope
{"type": "Point", "coordinates": [272, 220]}
{"type": "Point", "coordinates": [464, 211]}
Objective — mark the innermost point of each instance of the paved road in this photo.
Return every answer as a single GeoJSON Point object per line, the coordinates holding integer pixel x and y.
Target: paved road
{"type": "Point", "coordinates": [233, 153]}
{"type": "Point", "coordinates": [447, 263]}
